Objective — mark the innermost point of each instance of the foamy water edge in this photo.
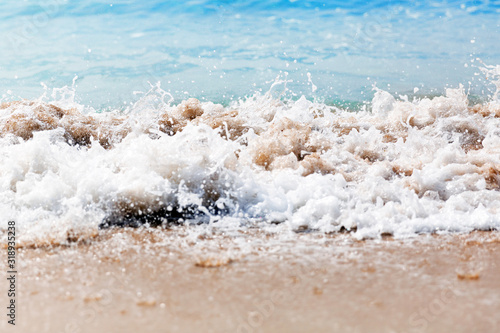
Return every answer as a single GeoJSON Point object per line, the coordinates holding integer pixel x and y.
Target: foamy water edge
{"type": "Point", "coordinates": [399, 167]}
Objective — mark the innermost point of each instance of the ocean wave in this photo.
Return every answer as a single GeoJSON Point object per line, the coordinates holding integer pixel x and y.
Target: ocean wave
{"type": "Point", "coordinates": [395, 166]}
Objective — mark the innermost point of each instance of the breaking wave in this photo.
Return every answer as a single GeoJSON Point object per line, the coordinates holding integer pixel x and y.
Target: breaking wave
{"type": "Point", "coordinates": [396, 166]}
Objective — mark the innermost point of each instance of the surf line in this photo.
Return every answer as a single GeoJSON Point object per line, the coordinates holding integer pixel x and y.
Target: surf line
{"type": "Point", "coordinates": [11, 272]}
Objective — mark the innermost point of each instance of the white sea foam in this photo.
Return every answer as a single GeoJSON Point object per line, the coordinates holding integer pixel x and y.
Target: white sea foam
{"type": "Point", "coordinates": [400, 167]}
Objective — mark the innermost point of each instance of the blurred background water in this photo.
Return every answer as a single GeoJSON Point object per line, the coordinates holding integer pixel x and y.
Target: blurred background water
{"type": "Point", "coordinates": [334, 51]}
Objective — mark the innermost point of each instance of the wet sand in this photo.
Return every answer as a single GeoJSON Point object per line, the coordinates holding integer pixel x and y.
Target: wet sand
{"type": "Point", "coordinates": [155, 280]}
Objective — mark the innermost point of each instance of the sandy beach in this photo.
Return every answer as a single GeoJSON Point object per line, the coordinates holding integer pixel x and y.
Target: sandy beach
{"type": "Point", "coordinates": [249, 166]}
{"type": "Point", "coordinates": [159, 280]}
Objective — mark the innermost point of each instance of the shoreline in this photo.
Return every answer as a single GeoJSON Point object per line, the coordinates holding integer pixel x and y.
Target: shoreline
{"type": "Point", "coordinates": [156, 280]}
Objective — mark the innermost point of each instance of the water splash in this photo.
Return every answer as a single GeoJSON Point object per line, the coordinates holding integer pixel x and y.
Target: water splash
{"type": "Point", "coordinates": [405, 167]}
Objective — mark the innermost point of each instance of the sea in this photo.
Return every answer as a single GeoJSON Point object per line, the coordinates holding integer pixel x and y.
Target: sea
{"type": "Point", "coordinates": [369, 117]}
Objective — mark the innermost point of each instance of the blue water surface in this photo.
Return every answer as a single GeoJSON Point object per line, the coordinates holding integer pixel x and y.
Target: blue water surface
{"type": "Point", "coordinates": [221, 50]}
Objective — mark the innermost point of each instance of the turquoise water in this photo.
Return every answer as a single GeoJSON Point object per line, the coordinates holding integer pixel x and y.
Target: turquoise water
{"type": "Point", "coordinates": [264, 144]}
{"type": "Point", "coordinates": [220, 50]}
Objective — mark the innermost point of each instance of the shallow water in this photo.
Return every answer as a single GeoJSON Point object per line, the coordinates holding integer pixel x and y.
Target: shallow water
{"type": "Point", "coordinates": [354, 116]}
{"type": "Point", "coordinates": [221, 50]}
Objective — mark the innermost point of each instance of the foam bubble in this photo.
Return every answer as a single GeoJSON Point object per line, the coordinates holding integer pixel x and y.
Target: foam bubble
{"type": "Point", "coordinates": [405, 167]}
